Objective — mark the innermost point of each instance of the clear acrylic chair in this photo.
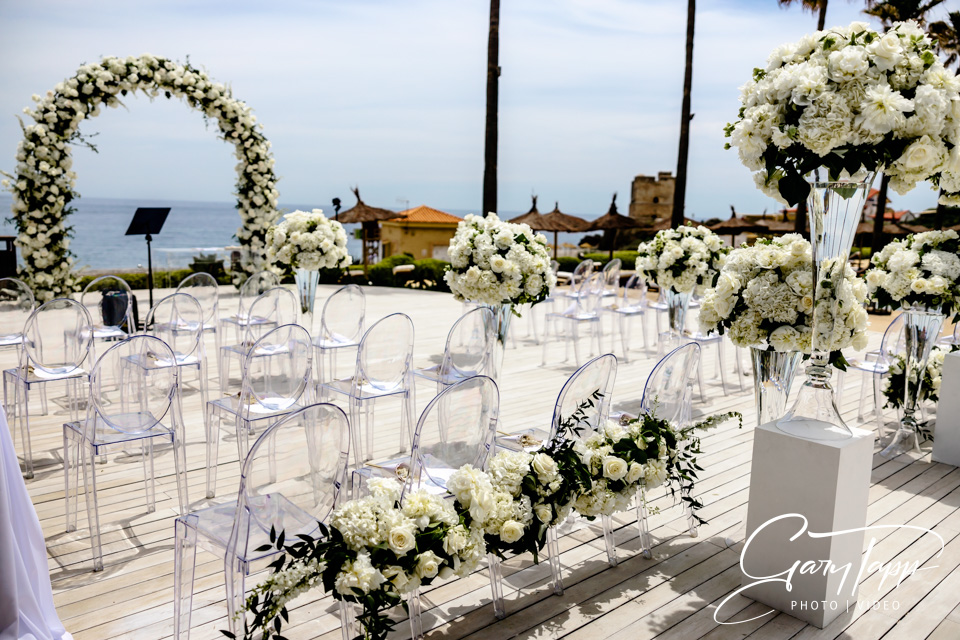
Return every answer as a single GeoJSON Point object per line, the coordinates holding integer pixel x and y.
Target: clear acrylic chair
{"type": "Point", "coordinates": [16, 305]}
{"type": "Point", "coordinates": [109, 300]}
{"type": "Point", "coordinates": [341, 327]}
{"type": "Point", "coordinates": [272, 308]}
{"type": "Point", "coordinates": [290, 480]}
{"type": "Point", "coordinates": [581, 273]}
{"type": "Point", "coordinates": [205, 288]}
{"type": "Point", "coordinates": [873, 367]}
{"type": "Point", "coordinates": [382, 371]}
{"type": "Point", "coordinates": [276, 381]}
{"type": "Point", "coordinates": [252, 288]}
{"type": "Point", "coordinates": [457, 428]}
{"type": "Point", "coordinates": [611, 278]}
{"type": "Point", "coordinates": [953, 338]}
{"type": "Point", "coordinates": [467, 352]}
{"type": "Point", "coordinates": [584, 309]}
{"type": "Point", "coordinates": [631, 304]}
{"type": "Point", "coordinates": [55, 347]}
{"type": "Point", "coordinates": [125, 405]}
{"type": "Point", "coordinates": [716, 341]}
{"type": "Point", "coordinates": [538, 310]}
{"type": "Point", "coordinates": [178, 320]}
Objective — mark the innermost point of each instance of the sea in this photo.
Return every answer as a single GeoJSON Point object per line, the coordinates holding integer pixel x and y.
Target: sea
{"type": "Point", "coordinates": [193, 227]}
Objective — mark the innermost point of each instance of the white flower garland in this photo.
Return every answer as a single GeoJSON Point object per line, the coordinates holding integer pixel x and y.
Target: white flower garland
{"type": "Point", "coordinates": [308, 241]}
{"type": "Point", "coordinates": [43, 183]}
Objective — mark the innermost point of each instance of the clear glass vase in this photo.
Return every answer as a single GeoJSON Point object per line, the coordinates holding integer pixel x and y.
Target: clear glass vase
{"type": "Point", "coordinates": [834, 208]}
{"type": "Point", "coordinates": [306, 281]}
{"type": "Point", "coordinates": [677, 304]}
{"type": "Point", "coordinates": [502, 313]}
{"type": "Point", "coordinates": [921, 327]}
{"type": "Point", "coordinates": [773, 373]}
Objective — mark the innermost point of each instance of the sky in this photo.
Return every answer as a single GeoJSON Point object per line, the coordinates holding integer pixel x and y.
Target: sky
{"type": "Point", "coordinates": [390, 96]}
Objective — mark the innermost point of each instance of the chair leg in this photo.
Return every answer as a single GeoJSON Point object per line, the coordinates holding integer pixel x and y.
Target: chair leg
{"type": "Point", "coordinates": [691, 522]}
{"type": "Point", "coordinates": [24, 415]}
{"type": "Point", "coordinates": [348, 621]}
{"type": "Point", "coordinates": [624, 337]}
{"type": "Point", "coordinates": [180, 469]}
{"type": "Point", "coordinates": [646, 548]}
{"type": "Point", "coordinates": [355, 443]}
{"type": "Point", "coordinates": [410, 413]}
{"type": "Point", "coordinates": [609, 540]}
{"type": "Point", "coordinates": [413, 606]}
{"type": "Point", "coordinates": [576, 344]}
{"type": "Point", "coordinates": [496, 586]}
{"type": "Point", "coordinates": [185, 562]}
{"type": "Point", "coordinates": [723, 368]}
{"type": "Point", "coordinates": [236, 575]}
{"type": "Point", "coordinates": [878, 403]}
{"type": "Point", "coordinates": [213, 448]}
{"type": "Point", "coordinates": [368, 429]}
{"type": "Point", "coordinates": [71, 478]}
{"type": "Point", "coordinates": [146, 452]}
{"type": "Point", "coordinates": [553, 549]}
{"type": "Point", "coordinates": [88, 456]}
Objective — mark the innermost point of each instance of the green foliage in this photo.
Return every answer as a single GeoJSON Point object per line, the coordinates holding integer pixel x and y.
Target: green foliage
{"type": "Point", "coordinates": [381, 274]}
{"type": "Point", "coordinates": [567, 263]}
{"type": "Point", "coordinates": [139, 280]}
{"type": "Point", "coordinates": [427, 274]}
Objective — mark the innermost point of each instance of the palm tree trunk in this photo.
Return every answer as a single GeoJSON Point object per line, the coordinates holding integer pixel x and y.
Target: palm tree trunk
{"type": "Point", "coordinates": [800, 219]}
{"type": "Point", "coordinates": [680, 192]}
{"type": "Point", "coordinates": [822, 18]}
{"type": "Point", "coordinates": [490, 138]}
{"type": "Point", "coordinates": [880, 211]}
{"type": "Point", "coordinates": [938, 216]}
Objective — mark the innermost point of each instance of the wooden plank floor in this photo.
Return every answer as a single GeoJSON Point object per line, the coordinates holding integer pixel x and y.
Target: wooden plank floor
{"type": "Point", "coordinates": [671, 596]}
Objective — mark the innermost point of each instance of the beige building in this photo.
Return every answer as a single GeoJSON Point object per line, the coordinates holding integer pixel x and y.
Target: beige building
{"type": "Point", "coordinates": [652, 198]}
{"type": "Point", "coordinates": [422, 232]}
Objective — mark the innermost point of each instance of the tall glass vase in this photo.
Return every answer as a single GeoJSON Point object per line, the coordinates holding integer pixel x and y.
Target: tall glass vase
{"type": "Point", "coordinates": [307, 281]}
{"type": "Point", "coordinates": [677, 304]}
{"type": "Point", "coordinates": [501, 318]}
{"type": "Point", "coordinates": [921, 326]}
{"type": "Point", "coordinates": [835, 208]}
{"type": "Point", "coordinates": [773, 373]}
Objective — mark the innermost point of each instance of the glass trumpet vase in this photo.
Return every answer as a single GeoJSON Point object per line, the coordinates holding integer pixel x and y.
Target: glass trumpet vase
{"type": "Point", "coordinates": [502, 313]}
{"type": "Point", "coordinates": [306, 281]}
{"type": "Point", "coordinates": [834, 208]}
{"type": "Point", "coordinates": [921, 327]}
{"type": "Point", "coordinates": [773, 373]}
{"type": "Point", "coordinates": [677, 304]}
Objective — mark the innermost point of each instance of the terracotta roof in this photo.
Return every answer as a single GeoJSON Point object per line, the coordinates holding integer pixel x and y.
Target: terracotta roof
{"type": "Point", "coordinates": [424, 213]}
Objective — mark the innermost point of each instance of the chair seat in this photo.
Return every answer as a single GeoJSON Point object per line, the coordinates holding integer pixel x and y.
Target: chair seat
{"type": "Point", "coordinates": [869, 367]}
{"type": "Point", "coordinates": [243, 349]}
{"type": "Point", "coordinates": [633, 310]}
{"type": "Point", "coordinates": [335, 341]}
{"type": "Point", "coordinates": [215, 523]}
{"type": "Point", "coordinates": [247, 321]}
{"type": "Point", "coordinates": [41, 375]}
{"type": "Point", "coordinates": [584, 316]}
{"type": "Point", "coordinates": [108, 333]}
{"type": "Point", "coordinates": [231, 404]}
{"type": "Point", "coordinates": [104, 433]}
{"type": "Point", "coordinates": [444, 377]}
{"type": "Point", "coordinates": [150, 361]}
{"type": "Point", "coordinates": [526, 440]}
{"type": "Point", "coordinates": [366, 390]}
{"type": "Point", "coordinates": [11, 341]}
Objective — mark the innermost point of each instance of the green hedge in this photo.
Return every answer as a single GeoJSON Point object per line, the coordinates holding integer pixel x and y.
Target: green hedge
{"type": "Point", "coordinates": [628, 259]}
{"type": "Point", "coordinates": [567, 263]}
{"type": "Point", "coordinates": [138, 280]}
{"type": "Point", "coordinates": [427, 274]}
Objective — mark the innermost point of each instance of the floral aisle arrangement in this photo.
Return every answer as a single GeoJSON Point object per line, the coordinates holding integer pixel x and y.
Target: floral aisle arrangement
{"type": "Point", "coordinates": [379, 548]}
{"type": "Point", "coordinates": [921, 269]}
{"type": "Point", "coordinates": [764, 298]}
{"type": "Point", "coordinates": [895, 380]}
{"type": "Point", "coordinates": [496, 263]}
{"type": "Point", "coordinates": [43, 184]}
{"type": "Point", "coordinates": [308, 241]}
{"type": "Point", "coordinates": [686, 260]}
{"type": "Point", "coordinates": [851, 100]}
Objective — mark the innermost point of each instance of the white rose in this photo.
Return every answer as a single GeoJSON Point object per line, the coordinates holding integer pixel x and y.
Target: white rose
{"type": "Point", "coordinates": [402, 539]}
{"type": "Point", "coordinates": [921, 156]}
{"type": "Point", "coordinates": [428, 565]}
{"type": "Point", "coordinates": [614, 468]}
{"type": "Point", "coordinates": [545, 467]}
{"type": "Point", "coordinates": [511, 531]}
{"type": "Point", "coordinates": [544, 512]}
{"type": "Point", "coordinates": [635, 473]}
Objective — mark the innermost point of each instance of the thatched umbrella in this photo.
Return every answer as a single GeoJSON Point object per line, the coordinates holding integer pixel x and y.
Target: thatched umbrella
{"type": "Point", "coordinates": [532, 217]}
{"type": "Point", "coordinates": [613, 221]}
{"type": "Point", "coordinates": [369, 219]}
{"type": "Point", "coordinates": [558, 221]}
{"type": "Point", "coordinates": [734, 226]}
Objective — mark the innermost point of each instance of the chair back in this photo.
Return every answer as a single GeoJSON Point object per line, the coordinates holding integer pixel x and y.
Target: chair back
{"type": "Point", "coordinates": [470, 344]}
{"type": "Point", "coordinates": [272, 308]}
{"type": "Point", "coordinates": [893, 341]}
{"type": "Point", "coordinates": [178, 320]}
{"type": "Point", "coordinates": [206, 290]}
{"type": "Point", "coordinates": [458, 427]}
{"type": "Point", "coordinates": [16, 305]}
{"type": "Point", "coordinates": [109, 300]}
{"type": "Point", "coordinates": [669, 388]}
{"type": "Point", "coordinates": [611, 274]}
{"type": "Point", "coordinates": [590, 295]}
{"type": "Point", "coordinates": [57, 337]}
{"type": "Point", "coordinates": [290, 479]}
{"type": "Point", "coordinates": [254, 286]}
{"type": "Point", "coordinates": [343, 315]}
{"type": "Point", "coordinates": [581, 272]}
{"type": "Point", "coordinates": [129, 391]}
{"type": "Point", "coordinates": [591, 384]}
{"type": "Point", "coordinates": [277, 370]}
{"type": "Point", "coordinates": [385, 352]}
{"type": "Point", "coordinates": [634, 293]}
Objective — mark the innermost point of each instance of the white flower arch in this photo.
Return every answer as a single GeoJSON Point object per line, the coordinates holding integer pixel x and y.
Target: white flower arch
{"type": "Point", "coordinates": [43, 184]}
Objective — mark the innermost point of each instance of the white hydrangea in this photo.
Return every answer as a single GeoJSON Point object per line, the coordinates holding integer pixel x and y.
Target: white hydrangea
{"type": "Point", "coordinates": [308, 241]}
{"type": "Point", "coordinates": [923, 269]}
{"type": "Point", "coordinates": [686, 259]}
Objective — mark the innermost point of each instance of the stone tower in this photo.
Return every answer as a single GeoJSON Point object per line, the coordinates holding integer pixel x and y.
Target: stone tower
{"type": "Point", "coordinates": [652, 198]}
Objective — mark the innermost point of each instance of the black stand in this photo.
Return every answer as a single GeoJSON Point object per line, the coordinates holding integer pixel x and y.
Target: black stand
{"type": "Point", "coordinates": [147, 222]}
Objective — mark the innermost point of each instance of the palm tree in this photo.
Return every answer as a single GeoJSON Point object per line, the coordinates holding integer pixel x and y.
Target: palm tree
{"type": "Point", "coordinates": [946, 37]}
{"type": "Point", "coordinates": [813, 6]}
{"type": "Point", "coordinates": [680, 189]}
{"type": "Point", "coordinates": [490, 138]}
{"type": "Point", "coordinates": [891, 11]}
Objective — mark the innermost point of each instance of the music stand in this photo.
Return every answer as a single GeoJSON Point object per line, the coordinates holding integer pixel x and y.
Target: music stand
{"type": "Point", "coordinates": [148, 221]}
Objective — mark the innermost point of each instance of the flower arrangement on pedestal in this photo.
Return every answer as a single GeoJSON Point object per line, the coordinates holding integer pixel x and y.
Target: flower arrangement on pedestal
{"type": "Point", "coordinates": [851, 99]}
{"type": "Point", "coordinates": [308, 241]}
{"type": "Point", "coordinates": [764, 298]}
{"type": "Point", "coordinates": [686, 260]}
{"type": "Point", "coordinates": [496, 262]}
{"type": "Point", "coordinates": [379, 548]}
{"type": "Point", "coordinates": [895, 381]}
{"type": "Point", "coordinates": [921, 269]}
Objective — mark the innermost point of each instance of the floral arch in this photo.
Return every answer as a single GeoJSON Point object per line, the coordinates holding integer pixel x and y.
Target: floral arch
{"type": "Point", "coordinates": [43, 184]}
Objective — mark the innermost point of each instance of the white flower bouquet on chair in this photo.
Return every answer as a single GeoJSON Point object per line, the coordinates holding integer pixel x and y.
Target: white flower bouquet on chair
{"type": "Point", "coordinates": [930, 387]}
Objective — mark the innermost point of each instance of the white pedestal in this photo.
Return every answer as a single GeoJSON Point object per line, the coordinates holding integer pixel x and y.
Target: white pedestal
{"type": "Point", "coordinates": [826, 482]}
{"type": "Point", "coordinates": [946, 440]}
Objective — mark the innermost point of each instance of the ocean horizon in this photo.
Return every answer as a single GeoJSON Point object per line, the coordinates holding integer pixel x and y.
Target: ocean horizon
{"type": "Point", "coordinates": [192, 227]}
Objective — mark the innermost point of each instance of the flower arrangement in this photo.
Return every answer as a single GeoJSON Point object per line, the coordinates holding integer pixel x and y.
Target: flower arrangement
{"type": "Point", "coordinates": [893, 387]}
{"type": "Point", "coordinates": [379, 548]}
{"type": "Point", "coordinates": [764, 296]}
{"type": "Point", "coordinates": [496, 262]}
{"type": "Point", "coordinates": [921, 269]}
{"type": "Point", "coordinates": [308, 241]}
{"type": "Point", "coordinates": [43, 184]}
{"type": "Point", "coordinates": [851, 100]}
{"type": "Point", "coordinates": [686, 259]}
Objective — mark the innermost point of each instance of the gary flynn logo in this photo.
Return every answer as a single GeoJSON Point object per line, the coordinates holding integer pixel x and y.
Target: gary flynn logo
{"type": "Point", "coordinates": [889, 571]}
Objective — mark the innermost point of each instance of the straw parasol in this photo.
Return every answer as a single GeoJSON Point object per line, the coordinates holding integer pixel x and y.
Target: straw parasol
{"type": "Point", "coordinates": [369, 219]}
{"type": "Point", "coordinates": [532, 217]}
{"type": "Point", "coordinates": [558, 221]}
{"type": "Point", "coordinates": [613, 221]}
{"type": "Point", "coordinates": [734, 226]}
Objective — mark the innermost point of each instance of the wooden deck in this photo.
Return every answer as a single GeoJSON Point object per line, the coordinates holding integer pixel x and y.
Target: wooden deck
{"type": "Point", "coordinates": [672, 596]}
